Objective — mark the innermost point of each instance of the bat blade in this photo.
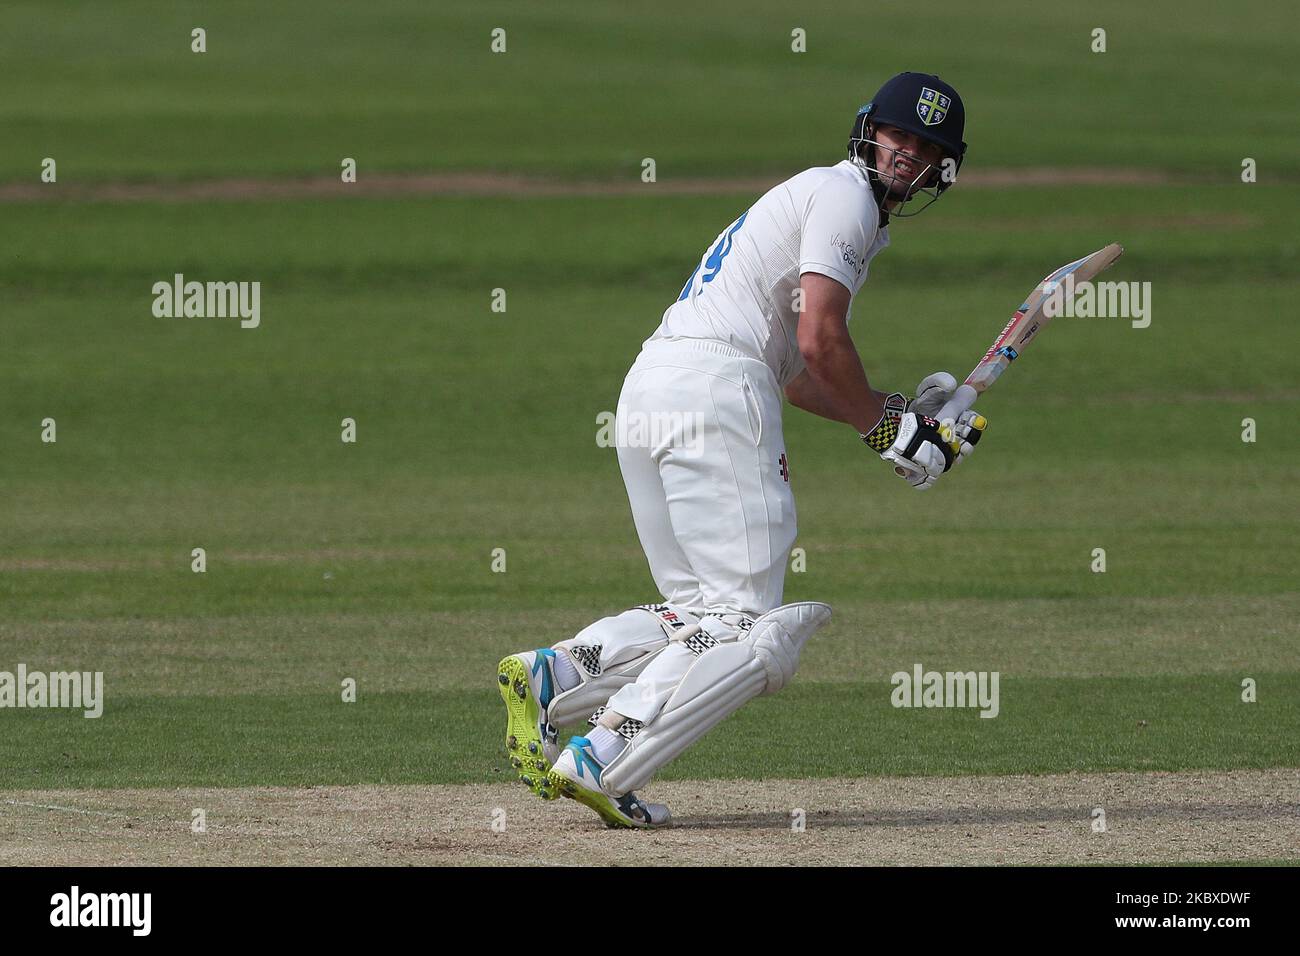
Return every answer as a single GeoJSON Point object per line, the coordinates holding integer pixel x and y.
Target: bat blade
{"type": "Point", "coordinates": [1025, 325]}
{"type": "Point", "coordinates": [1032, 315]}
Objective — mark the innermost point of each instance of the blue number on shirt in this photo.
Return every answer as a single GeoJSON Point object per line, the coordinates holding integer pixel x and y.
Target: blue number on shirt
{"type": "Point", "coordinates": [714, 261]}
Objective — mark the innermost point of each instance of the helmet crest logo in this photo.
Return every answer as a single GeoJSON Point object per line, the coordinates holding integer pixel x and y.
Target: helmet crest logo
{"type": "Point", "coordinates": [932, 107]}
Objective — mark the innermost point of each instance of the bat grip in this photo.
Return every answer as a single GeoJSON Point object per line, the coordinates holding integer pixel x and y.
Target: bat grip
{"type": "Point", "coordinates": [961, 400]}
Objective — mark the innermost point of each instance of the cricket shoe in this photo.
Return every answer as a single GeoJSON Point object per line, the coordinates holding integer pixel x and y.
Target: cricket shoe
{"type": "Point", "coordinates": [576, 774]}
{"type": "Point", "coordinates": [527, 685]}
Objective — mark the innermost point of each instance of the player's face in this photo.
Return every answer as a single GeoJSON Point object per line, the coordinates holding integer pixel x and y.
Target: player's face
{"type": "Point", "coordinates": [905, 156]}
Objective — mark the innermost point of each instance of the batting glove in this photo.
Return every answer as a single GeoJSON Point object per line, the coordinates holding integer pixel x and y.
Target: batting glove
{"type": "Point", "coordinates": [932, 394]}
{"type": "Point", "coordinates": [911, 442]}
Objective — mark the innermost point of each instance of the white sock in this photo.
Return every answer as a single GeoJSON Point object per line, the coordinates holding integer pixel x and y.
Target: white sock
{"type": "Point", "coordinates": [566, 675]}
{"type": "Point", "coordinates": [607, 743]}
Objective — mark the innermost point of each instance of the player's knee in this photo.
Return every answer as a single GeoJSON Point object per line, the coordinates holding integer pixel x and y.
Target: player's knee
{"type": "Point", "coordinates": [620, 638]}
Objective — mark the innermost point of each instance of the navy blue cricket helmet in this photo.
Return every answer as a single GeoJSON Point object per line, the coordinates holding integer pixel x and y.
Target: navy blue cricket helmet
{"type": "Point", "coordinates": [922, 104]}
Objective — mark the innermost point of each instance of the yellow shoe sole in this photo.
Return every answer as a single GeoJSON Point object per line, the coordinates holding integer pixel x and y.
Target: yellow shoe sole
{"type": "Point", "coordinates": [559, 784]}
{"type": "Point", "coordinates": [523, 740]}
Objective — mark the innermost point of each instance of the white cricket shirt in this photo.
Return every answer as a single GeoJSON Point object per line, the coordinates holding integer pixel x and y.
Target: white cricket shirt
{"type": "Point", "coordinates": [823, 220]}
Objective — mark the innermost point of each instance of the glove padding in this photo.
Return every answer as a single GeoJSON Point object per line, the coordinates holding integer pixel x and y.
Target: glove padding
{"type": "Point", "coordinates": [919, 453]}
{"type": "Point", "coordinates": [963, 435]}
{"type": "Point", "coordinates": [912, 443]}
{"type": "Point", "coordinates": [932, 394]}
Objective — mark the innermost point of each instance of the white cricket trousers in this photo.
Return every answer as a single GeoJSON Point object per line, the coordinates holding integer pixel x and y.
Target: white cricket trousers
{"type": "Point", "coordinates": [703, 457]}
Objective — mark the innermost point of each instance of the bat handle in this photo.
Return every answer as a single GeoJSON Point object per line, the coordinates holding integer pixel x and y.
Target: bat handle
{"type": "Point", "coordinates": [961, 400]}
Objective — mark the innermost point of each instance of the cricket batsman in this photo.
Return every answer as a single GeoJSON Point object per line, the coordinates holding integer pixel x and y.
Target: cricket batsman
{"type": "Point", "coordinates": [765, 313]}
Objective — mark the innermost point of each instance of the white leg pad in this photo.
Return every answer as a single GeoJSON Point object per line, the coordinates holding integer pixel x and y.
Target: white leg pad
{"type": "Point", "coordinates": [611, 653]}
{"type": "Point", "coordinates": [715, 686]}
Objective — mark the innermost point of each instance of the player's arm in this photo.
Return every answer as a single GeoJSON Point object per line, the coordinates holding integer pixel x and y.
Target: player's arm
{"type": "Point", "coordinates": [836, 388]}
{"type": "Point", "coordinates": [835, 384]}
{"type": "Point", "coordinates": [803, 393]}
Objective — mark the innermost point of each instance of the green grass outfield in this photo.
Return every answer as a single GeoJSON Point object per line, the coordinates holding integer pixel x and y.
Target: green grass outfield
{"type": "Point", "coordinates": [839, 728]}
{"type": "Point", "coordinates": [584, 88]}
{"type": "Point", "coordinates": [476, 430]}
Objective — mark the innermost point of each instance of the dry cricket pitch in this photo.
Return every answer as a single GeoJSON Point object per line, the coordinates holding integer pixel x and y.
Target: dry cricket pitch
{"type": "Point", "coordinates": [1200, 817]}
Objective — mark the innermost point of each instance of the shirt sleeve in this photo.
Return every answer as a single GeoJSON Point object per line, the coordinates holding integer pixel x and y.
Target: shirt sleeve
{"type": "Point", "coordinates": [839, 226]}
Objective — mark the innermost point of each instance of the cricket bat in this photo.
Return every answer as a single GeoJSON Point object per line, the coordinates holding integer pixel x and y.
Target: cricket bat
{"type": "Point", "coordinates": [1028, 320]}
